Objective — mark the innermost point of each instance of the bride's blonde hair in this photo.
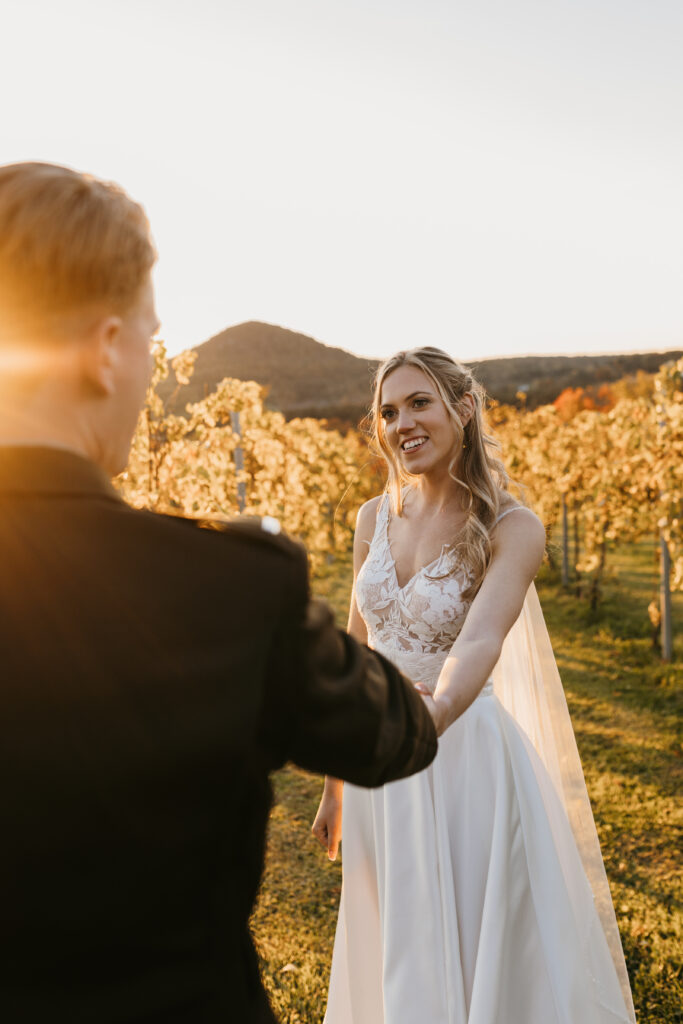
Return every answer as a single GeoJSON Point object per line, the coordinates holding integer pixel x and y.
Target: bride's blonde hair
{"type": "Point", "coordinates": [481, 474]}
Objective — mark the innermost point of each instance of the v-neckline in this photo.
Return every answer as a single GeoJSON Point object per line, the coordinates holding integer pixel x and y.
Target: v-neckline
{"type": "Point", "coordinates": [422, 568]}
{"type": "Point", "coordinates": [446, 544]}
{"type": "Point", "coordinates": [419, 572]}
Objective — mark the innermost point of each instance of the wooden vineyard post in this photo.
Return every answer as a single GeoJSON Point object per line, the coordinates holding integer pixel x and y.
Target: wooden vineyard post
{"type": "Point", "coordinates": [239, 463]}
{"type": "Point", "coordinates": [577, 554]}
{"type": "Point", "coordinates": [565, 543]}
{"type": "Point", "coordinates": [665, 600]}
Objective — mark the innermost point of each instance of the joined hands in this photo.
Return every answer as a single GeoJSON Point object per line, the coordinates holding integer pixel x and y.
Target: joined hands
{"type": "Point", "coordinates": [437, 707]}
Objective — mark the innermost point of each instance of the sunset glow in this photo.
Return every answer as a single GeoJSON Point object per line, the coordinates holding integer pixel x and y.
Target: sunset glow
{"type": "Point", "coordinates": [495, 179]}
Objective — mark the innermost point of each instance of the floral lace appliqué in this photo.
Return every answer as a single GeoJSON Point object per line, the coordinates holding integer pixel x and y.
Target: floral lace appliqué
{"type": "Point", "coordinates": [421, 619]}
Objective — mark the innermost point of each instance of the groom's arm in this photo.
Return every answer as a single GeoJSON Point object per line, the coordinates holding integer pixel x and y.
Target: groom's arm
{"type": "Point", "coordinates": [334, 706]}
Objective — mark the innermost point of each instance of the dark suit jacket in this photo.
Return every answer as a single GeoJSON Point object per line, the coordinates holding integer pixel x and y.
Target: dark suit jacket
{"type": "Point", "coordinates": [152, 673]}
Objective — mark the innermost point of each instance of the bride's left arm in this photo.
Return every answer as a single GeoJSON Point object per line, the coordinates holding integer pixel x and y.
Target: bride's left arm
{"type": "Point", "coordinates": [518, 542]}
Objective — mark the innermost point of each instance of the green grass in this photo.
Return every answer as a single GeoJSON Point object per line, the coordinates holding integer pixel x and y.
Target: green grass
{"type": "Point", "coordinates": [626, 709]}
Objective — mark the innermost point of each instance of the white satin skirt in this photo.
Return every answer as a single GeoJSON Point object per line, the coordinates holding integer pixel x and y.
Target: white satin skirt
{"type": "Point", "coordinates": [457, 905]}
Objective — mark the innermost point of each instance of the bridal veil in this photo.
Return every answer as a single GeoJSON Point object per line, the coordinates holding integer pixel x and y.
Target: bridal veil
{"type": "Point", "coordinates": [527, 683]}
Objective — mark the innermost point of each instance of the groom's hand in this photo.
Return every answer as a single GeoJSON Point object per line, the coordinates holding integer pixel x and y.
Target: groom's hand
{"type": "Point", "coordinates": [436, 708]}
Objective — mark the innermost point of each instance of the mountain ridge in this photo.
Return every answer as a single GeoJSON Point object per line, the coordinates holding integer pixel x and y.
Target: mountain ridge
{"type": "Point", "coordinates": [305, 377]}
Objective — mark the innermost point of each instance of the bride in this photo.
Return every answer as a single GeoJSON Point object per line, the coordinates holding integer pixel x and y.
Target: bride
{"type": "Point", "coordinates": [473, 892]}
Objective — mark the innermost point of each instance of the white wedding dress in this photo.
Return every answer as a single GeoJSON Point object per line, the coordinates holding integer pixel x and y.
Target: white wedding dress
{"type": "Point", "coordinates": [464, 897]}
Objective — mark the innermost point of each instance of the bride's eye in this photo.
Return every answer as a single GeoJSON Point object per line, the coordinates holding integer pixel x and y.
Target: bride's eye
{"type": "Point", "coordinates": [386, 414]}
{"type": "Point", "coordinates": [420, 402]}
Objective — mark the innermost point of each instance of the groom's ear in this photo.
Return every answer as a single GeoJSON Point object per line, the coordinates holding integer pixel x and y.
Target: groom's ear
{"type": "Point", "coordinates": [101, 355]}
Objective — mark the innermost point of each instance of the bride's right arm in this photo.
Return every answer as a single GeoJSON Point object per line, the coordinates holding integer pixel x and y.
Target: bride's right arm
{"type": "Point", "coordinates": [327, 825]}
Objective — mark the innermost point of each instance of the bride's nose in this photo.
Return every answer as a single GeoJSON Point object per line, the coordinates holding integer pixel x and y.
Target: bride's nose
{"type": "Point", "coordinates": [406, 420]}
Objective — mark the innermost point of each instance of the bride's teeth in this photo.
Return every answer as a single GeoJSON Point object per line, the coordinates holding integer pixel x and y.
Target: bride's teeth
{"type": "Point", "coordinates": [409, 445]}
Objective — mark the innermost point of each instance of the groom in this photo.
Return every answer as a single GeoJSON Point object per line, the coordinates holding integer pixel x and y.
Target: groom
{"type": "Point", "coordinates": [153, 671]}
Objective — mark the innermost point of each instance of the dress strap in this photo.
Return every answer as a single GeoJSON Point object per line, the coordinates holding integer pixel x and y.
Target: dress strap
{"type": "Point", "coordinates": [381, 518]}
{"type": "Point", "coordinates": [513, 508]}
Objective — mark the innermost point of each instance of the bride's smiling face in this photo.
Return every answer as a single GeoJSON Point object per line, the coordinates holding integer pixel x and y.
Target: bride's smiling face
{"type": "Point", "coordinates": [417, 425]}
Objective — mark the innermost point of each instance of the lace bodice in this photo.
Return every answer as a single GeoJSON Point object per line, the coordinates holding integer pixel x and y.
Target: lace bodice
{"type": "Point", "coordinates": [415, 626]}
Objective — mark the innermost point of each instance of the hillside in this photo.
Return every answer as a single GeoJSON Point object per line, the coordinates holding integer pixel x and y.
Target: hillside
{"type": "Point", "coordinates": [542, 378]}
{"type": "Point", "coordinates": [303, 377]}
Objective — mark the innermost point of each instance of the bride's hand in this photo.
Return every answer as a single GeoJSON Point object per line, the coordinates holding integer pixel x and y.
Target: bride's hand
{"type": "Point", "coordinates": [436, 708]}
{"type": "Point", "coordinates": [327, 826]}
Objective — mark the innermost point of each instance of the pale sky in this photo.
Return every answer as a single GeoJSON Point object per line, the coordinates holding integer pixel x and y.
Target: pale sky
{"type": "Point", "coordinates": [496, 178]}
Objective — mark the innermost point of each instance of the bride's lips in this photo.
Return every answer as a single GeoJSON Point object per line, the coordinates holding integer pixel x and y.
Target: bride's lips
{"type": "Point", "coordinates": [415, 448]}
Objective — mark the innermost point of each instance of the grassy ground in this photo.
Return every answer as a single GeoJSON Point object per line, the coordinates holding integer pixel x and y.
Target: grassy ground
{"type": "Point", "coordinates": [626, 708]}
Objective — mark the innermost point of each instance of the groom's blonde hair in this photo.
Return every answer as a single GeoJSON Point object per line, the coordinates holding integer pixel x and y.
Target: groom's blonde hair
{"type": "Point", "coordinates": [69, 244]}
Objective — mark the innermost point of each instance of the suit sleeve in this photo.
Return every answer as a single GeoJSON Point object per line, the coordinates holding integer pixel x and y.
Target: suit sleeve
{"type": "Point", "coordinates": [336, 707]}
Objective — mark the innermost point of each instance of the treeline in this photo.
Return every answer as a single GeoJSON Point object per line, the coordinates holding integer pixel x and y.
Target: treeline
{"type": "Point", "coordinates": [304, 378]}
{"type": "Point", "coordinates": [538, 380]}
